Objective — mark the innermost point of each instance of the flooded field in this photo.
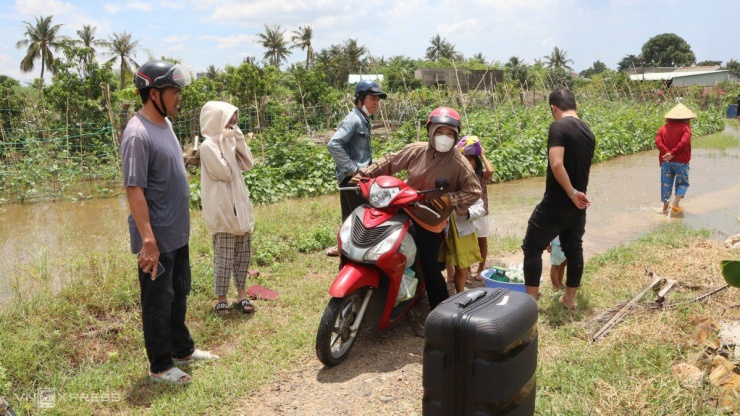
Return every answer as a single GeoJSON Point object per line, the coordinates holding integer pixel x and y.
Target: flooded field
{"type": "Point", "coordinates": [625, 192]}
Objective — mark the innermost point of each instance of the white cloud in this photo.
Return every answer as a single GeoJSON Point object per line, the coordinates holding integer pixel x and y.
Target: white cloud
{"type": "Point", "coordinates": [113, 8]}
{"type": "Point", "coordinates": [175, 39]}
{"type": "Point", "coordinates": [42, 7]}
{"type": "Point", "coordinates": [229, 42]}
{"type": "Point", "coordinates": [139, 6]}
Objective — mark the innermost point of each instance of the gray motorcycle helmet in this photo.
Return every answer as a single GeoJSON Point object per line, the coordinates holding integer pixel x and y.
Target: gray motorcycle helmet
{"type": "Point", "coordinates": [161, 74]}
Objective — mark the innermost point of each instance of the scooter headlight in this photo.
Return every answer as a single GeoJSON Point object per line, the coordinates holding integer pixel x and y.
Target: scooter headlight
{"type": "Point", "coordinates": [346, 231]}
{"type": "Point", "coordinates": [384, 246]}
{"type": "Point", "coordinates": [380, 197]}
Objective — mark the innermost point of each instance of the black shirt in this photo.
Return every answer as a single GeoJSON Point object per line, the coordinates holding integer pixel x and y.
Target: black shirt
{"type": "Point", "coordinates": [576, 137]}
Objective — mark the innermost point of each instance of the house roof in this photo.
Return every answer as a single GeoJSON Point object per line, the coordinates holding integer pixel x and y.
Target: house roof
{"type": "Point", "coordinates": [679, 72]}
{"type": "Point", "coordinates": [355, 78]}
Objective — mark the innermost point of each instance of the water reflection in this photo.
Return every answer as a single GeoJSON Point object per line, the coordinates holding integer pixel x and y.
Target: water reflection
{"type": "Point", "coordinates": [36, 238]}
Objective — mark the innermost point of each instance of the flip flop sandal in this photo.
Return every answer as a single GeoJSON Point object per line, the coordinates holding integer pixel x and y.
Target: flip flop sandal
{"type": "Point", "coordinates": [253, 274]}
{"type": "Point", "coordinates": [197, 355]}
{"type": "Point", "coordinates": [244, 306]}
{"type": "Point", "coordinates": [172, 376]}
{"type": "Point", "coordinates": [222, 308]}
{"type": "Point", "coordinates": [332, 251]}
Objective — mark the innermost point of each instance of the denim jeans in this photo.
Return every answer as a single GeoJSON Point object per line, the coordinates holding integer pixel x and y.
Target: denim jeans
{"type": "Point", "coordinates": [163, 308]}
{"type": "Point", "coordinates": [546, 224]}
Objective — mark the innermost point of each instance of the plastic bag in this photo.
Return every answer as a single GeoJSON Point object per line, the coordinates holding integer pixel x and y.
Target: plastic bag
{"type": "Point", "coordinates": [516, 273]}
{"type": "Point", "coordinates": [407, 290]}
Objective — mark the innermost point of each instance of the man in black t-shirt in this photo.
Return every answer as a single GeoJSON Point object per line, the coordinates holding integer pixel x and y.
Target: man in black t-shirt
{"type": "Point", "coordinates": [737, 108]}
{"type": "Point", "coordinates": [562, 211]}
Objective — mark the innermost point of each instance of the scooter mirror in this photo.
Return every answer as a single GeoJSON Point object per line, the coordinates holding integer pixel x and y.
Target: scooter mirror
{"type": "Point", "coordinates": [441, 184]}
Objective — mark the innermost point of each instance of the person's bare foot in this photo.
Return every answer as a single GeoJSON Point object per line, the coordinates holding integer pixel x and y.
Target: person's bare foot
{"type": "Point", "coordinates": [569, 306]}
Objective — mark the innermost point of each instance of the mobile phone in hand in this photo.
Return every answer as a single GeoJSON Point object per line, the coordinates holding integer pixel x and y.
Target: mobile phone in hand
{"type": "Point", "coordinates": [160, 268]}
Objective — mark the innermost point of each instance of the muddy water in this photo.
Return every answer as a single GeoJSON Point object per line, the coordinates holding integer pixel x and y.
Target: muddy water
{"type": "Point", "coordinates": [625, 194]}
{"type": "Point", "coordinates": [35, 239]}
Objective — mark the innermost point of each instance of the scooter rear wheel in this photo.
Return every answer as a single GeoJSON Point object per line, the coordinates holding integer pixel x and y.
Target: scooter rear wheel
{"type": "Point", "coordinates": [334, 339]}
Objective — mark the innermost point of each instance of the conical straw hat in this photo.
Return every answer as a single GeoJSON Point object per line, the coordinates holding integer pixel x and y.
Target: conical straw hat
{"type": "Point", "coordinates": [680, 112]}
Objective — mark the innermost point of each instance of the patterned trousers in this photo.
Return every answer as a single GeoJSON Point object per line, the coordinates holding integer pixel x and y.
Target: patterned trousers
{"type": "Point", "coordinates": [671, 172]}
{"type": "Point", "coordinates": [231, 253]}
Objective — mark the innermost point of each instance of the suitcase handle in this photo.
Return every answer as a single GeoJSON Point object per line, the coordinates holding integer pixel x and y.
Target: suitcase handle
{"type": "Point", "coordinates": [470, 297]}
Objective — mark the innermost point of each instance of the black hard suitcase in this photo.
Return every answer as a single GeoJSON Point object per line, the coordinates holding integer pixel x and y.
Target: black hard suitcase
{"type": "Point", "coordinates": [480, 354]}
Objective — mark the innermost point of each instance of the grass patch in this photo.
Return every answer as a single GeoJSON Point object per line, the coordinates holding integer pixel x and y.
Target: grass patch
{"type": "Point", "coordinates": [719, 141]}
{"type": "Point", "coordinates": [85, 340]}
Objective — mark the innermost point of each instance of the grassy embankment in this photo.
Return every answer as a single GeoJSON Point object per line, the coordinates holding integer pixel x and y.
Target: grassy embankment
{"type": "Point", "coordinates": [87, 339]}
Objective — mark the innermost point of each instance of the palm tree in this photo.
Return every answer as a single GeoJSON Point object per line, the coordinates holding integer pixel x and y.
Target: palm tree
{"type": "Point", "coordinates": [274, 42]}
{"type": "Point", "coordinates": [353, 53]}
{"type": "Point", "coordinates": [212, 72]}
{"type": "Point", "coordinates": [478, 57]}
{"type": "Point", "coordinates": [434, 51]}
{"type": "Point", "coordinates": [517, 70]}
{"type": "Point", "coordinates": [87, 40]}
{"type": "Point", "coordinates": [41, 38]}
{"type": "Point", "coordinates": [442, 48]}
{"type": "Point", "coordinates": [558, 59]}
{"type": "Point", "coordinates": [302, 39]}
{"type": "Point", "coordinates": [122, 47]}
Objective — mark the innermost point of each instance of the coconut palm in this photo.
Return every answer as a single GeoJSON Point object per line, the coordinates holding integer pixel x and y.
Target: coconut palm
{"type": "Point", "coordinates": [87, 40]}
{"type": "Point", "coordinates": [517, 70]}
{"type": "Point", "coordinates": [122, 47]}
{"type": "Point", "coordinates": [41, 38]}
{"type": "Point", "coordinates": [434, 51]}
{"type": "Point", "coordinates": [442, 48]}
{"type": "Point", "coordinates": [353, 53]}
{"type": "Point", "coordinates": [212, 72]}
{"type": "Point", "coordinates": [274, 42]}
{"type": "Point", "coordinates": [558, 58]}
{"type": "Point", "coordinates": [302, 39]}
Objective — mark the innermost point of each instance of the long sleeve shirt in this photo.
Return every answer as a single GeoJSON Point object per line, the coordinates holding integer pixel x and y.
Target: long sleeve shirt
{"type": "Point", "coordinates": [424, 166]}
{"type": "Point", "coordinates": [674, 137]}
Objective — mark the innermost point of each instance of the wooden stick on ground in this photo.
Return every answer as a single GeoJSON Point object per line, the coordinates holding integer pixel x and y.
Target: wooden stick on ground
{"type": "Point", "coordinates": [623, 311]}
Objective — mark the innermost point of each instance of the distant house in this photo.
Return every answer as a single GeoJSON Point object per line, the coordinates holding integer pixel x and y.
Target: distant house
{"type": "Point", "coordinates": [707, 76]}
{"type": "Point", "coordinates": [355, 78]}
{"type": "Point", "coordinates": [460, 79]}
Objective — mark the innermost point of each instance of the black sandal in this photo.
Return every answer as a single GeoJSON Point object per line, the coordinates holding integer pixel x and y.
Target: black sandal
{"type": "Point", "coordinates": [244, 306]}
{"type": "Point", "coordinates": [222, 308]}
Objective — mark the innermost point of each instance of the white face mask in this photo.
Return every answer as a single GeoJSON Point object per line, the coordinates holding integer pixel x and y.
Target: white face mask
{"type": "Point", "coordinates": [443, 143]}
{"type": "Point", "coordinates": [364, 110]}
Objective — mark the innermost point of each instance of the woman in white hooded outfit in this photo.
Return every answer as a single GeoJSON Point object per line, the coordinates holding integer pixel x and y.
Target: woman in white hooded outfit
{"type": "Point", "coordinates": [227, 211]}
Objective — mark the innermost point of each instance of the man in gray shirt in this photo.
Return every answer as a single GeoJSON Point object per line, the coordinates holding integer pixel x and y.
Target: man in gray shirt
{"type": "Point", "coordinates": [158, 196]}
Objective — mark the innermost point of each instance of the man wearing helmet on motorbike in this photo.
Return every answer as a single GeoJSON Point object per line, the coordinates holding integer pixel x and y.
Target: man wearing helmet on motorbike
{"type": "Point", "coordinates": [424, 164]}
{"type": "Point", "coordinates": [350, 145]}
{"type": "Point", "coordinates": [159, 225]}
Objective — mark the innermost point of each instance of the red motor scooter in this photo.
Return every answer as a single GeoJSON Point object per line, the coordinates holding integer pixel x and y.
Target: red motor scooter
{"type": "Point", "coordinates": [378, 261]}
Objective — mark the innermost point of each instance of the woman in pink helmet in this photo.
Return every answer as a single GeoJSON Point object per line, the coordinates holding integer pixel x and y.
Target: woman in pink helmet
{"type": "Point", "coordinates": [424, 163]}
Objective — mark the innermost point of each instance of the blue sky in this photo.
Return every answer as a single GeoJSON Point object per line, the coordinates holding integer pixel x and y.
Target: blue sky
{"type": "Point", "coordinates": [224, 32]}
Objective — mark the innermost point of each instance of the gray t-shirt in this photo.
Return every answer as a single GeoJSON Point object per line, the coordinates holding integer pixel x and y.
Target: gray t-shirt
{"type": "Point", "coordinates": [151, 158]}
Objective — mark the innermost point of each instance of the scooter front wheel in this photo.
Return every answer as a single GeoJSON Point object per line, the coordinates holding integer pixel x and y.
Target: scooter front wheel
{"type": "Point", "coordinates": [334, 339]}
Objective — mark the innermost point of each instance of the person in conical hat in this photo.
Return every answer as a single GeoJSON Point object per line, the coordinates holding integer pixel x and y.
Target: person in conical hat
{"type": "Point", "coordinates": [674, 145]}
{"type": "Point", "coordinates": [680, 112]}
